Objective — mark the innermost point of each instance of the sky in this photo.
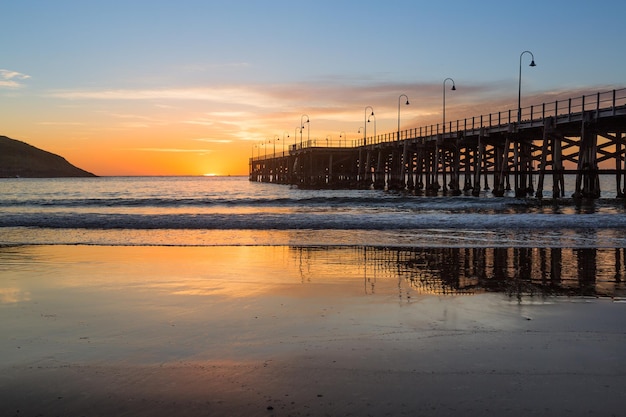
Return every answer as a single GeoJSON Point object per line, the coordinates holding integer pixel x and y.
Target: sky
{"type": "Point", "coordinates": [153, 87]}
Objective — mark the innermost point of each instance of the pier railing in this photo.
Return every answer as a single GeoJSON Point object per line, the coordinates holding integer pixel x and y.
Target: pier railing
{"type": "Point", "coordinates": [529, 116]}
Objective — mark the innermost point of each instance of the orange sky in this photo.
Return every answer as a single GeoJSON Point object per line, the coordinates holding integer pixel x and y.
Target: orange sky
{"type": "Point", "coordinates": [130, 135]}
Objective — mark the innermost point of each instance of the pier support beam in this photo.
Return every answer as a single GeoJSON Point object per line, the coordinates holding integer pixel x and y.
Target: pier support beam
{"type": "Point", "coordinates": [587, 180]}
{"type": "Point", "coordinates": [620, 165]}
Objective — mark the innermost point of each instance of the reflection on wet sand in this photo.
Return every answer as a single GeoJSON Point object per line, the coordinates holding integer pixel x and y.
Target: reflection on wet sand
{"type": "Point", "coordinates": [514, 271]}
{"type": "Point", "coordinates": [260, 330]}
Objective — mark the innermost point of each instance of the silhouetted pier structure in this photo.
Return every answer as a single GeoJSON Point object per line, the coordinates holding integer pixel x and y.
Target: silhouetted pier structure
{"type": "Point", "coordinates": [584, 136]}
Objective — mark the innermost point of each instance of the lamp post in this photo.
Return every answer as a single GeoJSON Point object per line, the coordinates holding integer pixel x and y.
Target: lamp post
{"type": "Point", "coordinates": [519, 89]}
{"type": "Point", "coordinates": [274, 139]}
{"type": "Point", "coordinates": [365, 120]}
{"type": "Point", "coordinates": [295, 137]}
{"type": "Point", "coordinates": [302, 122]}
{"type": "Point", "coordinates": [443, 135]}
{"type": "Point", "coordinates": [284, 132]}
{"type": "Point", "coordinates": [361, 164]}
{"type": "Point", "coordinates": [407, 103]}
{"type": "Point", "coordinates": [444, 101]}
{"type": "Point", "coordinates": [522, 189]}
{"type": "Point", "coordinates": [368, 120]}
{"type": "Point", "coordinates": [342, 134]}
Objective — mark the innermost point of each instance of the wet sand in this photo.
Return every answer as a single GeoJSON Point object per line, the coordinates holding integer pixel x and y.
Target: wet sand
{"type": "Point", "coordinates": [256, 331]}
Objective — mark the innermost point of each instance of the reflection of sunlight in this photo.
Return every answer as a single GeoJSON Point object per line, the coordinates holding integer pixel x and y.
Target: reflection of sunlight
{"type": "Point", "coordinates": [13, 295]}
{"type": "Point", "coordinates": [221, 271]}
{"type": "Point", "coordinates": [231, 290]}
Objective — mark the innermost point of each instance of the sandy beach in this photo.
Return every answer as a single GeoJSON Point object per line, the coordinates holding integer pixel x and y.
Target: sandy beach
{"type": "Point", "coordinates": [266, 331]}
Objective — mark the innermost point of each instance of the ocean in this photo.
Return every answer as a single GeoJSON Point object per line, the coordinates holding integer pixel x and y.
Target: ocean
{"type": "Point", "coordinates": [213, 211]}
{"type": "Point", "coordinates": [565, 241]}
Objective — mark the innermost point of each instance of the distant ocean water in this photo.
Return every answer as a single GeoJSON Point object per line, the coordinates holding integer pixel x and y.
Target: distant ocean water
{"type": "Point", "coordinates": [210, 211]}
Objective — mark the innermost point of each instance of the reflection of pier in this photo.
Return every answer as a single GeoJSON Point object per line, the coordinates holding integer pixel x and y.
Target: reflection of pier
{"type": "Point", "coordinates": [582, 136]}
{"type": "Point", "coordinates": [516, 271]}
{"type": "Point", "coordinates": [524, 271]}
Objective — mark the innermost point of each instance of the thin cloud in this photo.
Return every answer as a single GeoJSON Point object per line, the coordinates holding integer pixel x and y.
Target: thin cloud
{"type": "Point", "coordinates": [307, 97]}
{"type": "Point", "coordinates": [213, 140]}
{"type": "Point", "coordinates": [170, 150]}
{"type": "Point", "coordinates": [229, 114]}
{"type": "Point", "coordinates": [250, 112]}
{"type": "Point", "coordinates": [213, 66]}
{"type": "Point", "coordinates": [201, 122]}
{"type": "Point", "coordinates": [11, 79]}
{"type": "Point", "coordinates": [234, 95]}
{"type": "Point", "coordinates": [61, 124]}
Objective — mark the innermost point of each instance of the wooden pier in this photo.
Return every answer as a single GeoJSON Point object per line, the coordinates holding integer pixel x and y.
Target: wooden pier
{"type": "Point", "coordinates": [584, 136]}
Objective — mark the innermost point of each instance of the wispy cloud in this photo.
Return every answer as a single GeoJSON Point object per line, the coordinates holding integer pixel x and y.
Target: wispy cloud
{"type": "Point", "coordinates": [201, 122]}
{"type": "Point", "coordinates": [59, 123]}
{"type": "Point", "coordinates": [216, 65]}
{"type": "Point", "coordinates": [235, 95]}
{"type": "Point", "coordinates": [208, 140]}
{"type": "Point", "coordinates": [171, 150]}
{"type": "Point", "coordinates": [287, 100]}
{"type": "Point", "coordinates": [12, 79]}
{"type": "Point", "coordinates": [252, 112]}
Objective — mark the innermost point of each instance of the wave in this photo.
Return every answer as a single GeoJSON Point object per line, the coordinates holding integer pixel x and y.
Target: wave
{"type": "Point", "coordinates": [364, 203]}
{"type": "Point", "coordinates": [208, 201]}
{"type": "Point", "coordinates": [314, 221]}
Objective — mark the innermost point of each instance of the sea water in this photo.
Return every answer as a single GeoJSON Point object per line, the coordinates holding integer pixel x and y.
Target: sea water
{"type": "Point", "coordinates": [182, 211]}
{"type": "Point", "coordinates": [451, 243]}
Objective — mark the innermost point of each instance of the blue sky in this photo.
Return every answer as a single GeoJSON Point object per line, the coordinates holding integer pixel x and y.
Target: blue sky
{"type": "Point", "coordinates": [206, 79]}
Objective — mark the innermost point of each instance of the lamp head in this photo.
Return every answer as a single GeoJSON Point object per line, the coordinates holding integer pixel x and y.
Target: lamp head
{"type": "Point", "coordinates": [407, 102]}
{"type": "Point", "coordinates": [532, 63]}
{"type": "Point", "coordinates": [453, 87]}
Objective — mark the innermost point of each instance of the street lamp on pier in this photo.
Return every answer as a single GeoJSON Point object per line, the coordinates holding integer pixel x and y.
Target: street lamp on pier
{"type": "Point", "coordinates": [295, 137]}
{"type": "Point", "coordinates": [365, 120]}
{"type": "Point", "coordinates": [407, 103]}
{"type": "Point", "coordinates": [274, 142]}
{"type": "Point", "coordinates": [284, 132]}
{"type": "Point", "coordinates": [444, 101]}
{"type": "Point", "coordinates": [519, 89]}
{"type": "Point", "coordinates": [342, 134]}
{"type": "Point", "coordinates": [443, 135]}
{"type": "Point", "coordinates": [368, 120]}
{"type": "Point", "coordinates": [302, 122]}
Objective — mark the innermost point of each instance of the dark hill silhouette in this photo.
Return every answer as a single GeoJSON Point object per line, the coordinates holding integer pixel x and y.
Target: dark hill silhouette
{"type": "Point", "coordinates": [19, 159]}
